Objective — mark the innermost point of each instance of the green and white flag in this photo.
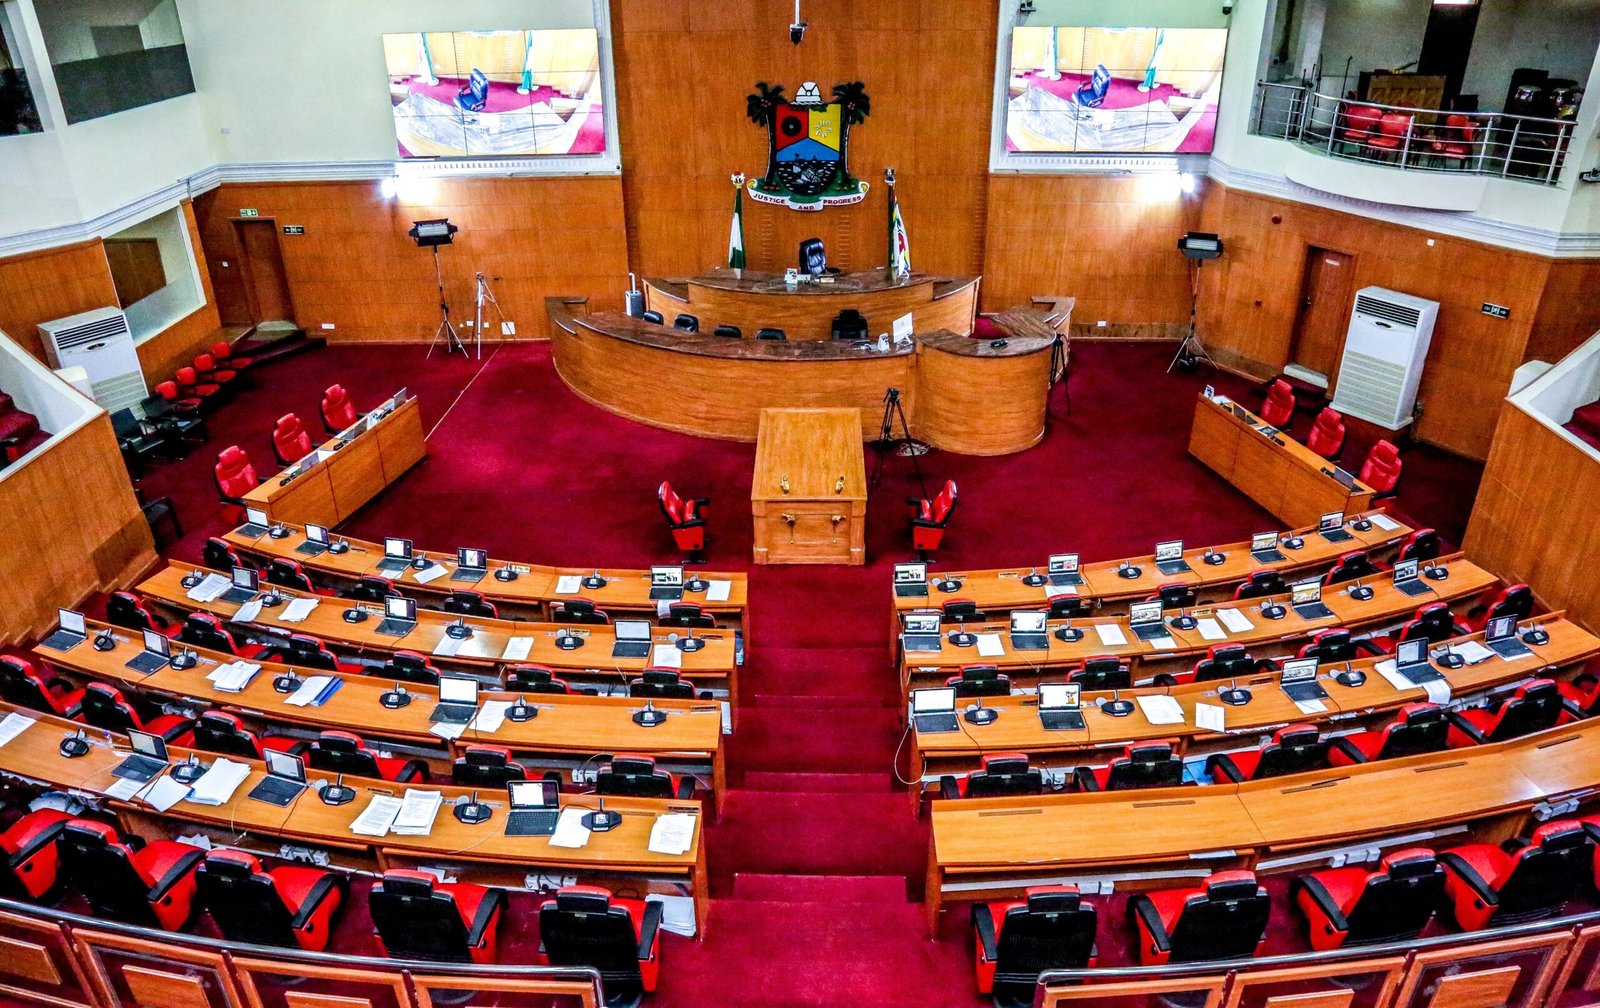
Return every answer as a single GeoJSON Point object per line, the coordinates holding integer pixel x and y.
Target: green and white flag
{"type": "Point", "coordinates": [736, 230]}
{"type": "Point", "coordinates": [899, 244]}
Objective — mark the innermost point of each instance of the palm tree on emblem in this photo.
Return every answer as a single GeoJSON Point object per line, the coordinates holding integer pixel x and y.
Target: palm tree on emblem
{"type": "Point", "coordinates": [854, 106]}
{"type": "Point", "coordinates": [762, 108]}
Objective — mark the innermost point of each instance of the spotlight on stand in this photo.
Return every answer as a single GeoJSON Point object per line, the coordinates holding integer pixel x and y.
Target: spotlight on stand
{"type": "Point", "coordinates": [430, 234]}
{"type": "Point", "coordinates": [1199, 247]}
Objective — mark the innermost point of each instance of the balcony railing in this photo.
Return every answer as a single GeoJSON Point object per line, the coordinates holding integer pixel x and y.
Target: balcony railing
{"type": "Point", "coordinates": [1522, 148]}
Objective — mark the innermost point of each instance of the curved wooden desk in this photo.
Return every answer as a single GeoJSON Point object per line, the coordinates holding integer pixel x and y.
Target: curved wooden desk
{"type": "Point", "coordinates": [958, 394]}
{"type": "Point", "coordinates": [752, 300]}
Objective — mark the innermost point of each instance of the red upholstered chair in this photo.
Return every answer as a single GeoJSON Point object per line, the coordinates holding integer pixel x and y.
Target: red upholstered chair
{"type": "Point", "coordinates": [1327, 435]}
{"type": "Point", "coordinates": [1277, 409]}
{"type": "Point", "coordinates": [687, 614]}
{"type": "Point", "coordinates": [103, 706]}
{"type": "Point", "coordinates": [1100, 673]}
{"type": "Point", "coordinates": [1003, 775]}
{"type": "Point", "coordinates": [1381, 470]}
{"type": "Point", "coordinates": [1146, 765]}
{"type": "Point", "coordinates": [205, 630]}
{"type": "Point", "coordinates": [1260, 584]}
{"type": "Point", "coordinates": [125, 609]}
{"type": "Point", "coordinates": [290, 906]}
{"type": "Point", "coordinates": [1175, 595]}
{"type": "Point", "coordinates": [210, 371]}
{"type": "Point", "coordinates": [1487, 885]}
{"type": "Point", "coordinates": [1336, 645]}
{"type": "Point", "coordinates": [308, 651]}
{"type": "Point", "coordinates": [371, 588]}
{"type": "Point", "coordinates": [1535, 706]}
{"type": "Point", "coordinates": [1359, 122]}
{"type": "Point", "coordinates": [464, 602]}
{"type": "Point", "coordinates": [338, 412]}
{"type": "Point", "coordinates": [345, 753]}
{"type": "Point", "coordinates": [1292, 749]}
{"type": "Point", "coordinates": [223, 733]}
{"type": "Point", "coordinates": [1350, 566]}
{"type": "Point", "coordinates": [226, 358]}
{"type": "Point", "coordinates": [661, 684]}
{"type": "Point", "coordinates": [959, 610]}
{"type": "Point", "coordinates": [1222, 661]}
{"type": "Point", "coordinates": [686, 519]}
{"type": "Point", "coordinates": [192, 386]}
{"type": "Point", "coordinates": [1457, 140]}
{"type": "Point", "coordinates": [31, 859]}
{"type": "Point", "coordinates": [1354, 906]}
{"type": "Point", "coordinates": [1050, 928]}
{"type": "Point", "coordinates": [150, 887]}
{"type": "Point", "coordinates": [1418, 728]}
{"type": "Point", "coordinates": [980, 681]}
{"type": "Point", "coordinates": [1225, 917]}
{"type": "Point", "coordinates": [22, 685]}
{"type": "Point", "coordinates": [290, 440]}
{"type": "Point", "coordinates": [181, 404]}
{"type": "Point", "coordinates": [578, 611]}
{"type": "Point", "coordinates": [415, 916]}
{"type": "Point", "coordinates": [635, 776]}
{"type": "Point", "coordinates": [1434, 623]}
{"type": "Point", "coordinates": [1512, 600]}
{"type": "Point", "coordinates": [930, 517]}
{"type": "Point", "coordinates": [1393, 128]}
{"type": "Point", "coordinates": [1423, 544]}
{"type": "Point", "coordinates": [486, 766]}
{"type": "Point", "coordinates": [409, 667]}
{"type": "Point", "coordinates": [219, 554]}
{"type": "Point", "coordinates": [587, 926]}
{"type": "Point", "coordinates": [286, 573]}
{"type": "Point", "coordinates": [235, 476]}
{"type": "Point", "coordinates": [534, 679]}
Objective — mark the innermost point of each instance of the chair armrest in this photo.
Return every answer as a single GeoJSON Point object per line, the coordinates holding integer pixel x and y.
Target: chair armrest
{"type": "Point", "coordinates": [1223, 762]}
{"type": "Point", "coordinates": [1467, 728]}
{"type": "Point", "coordinates": [319, 892]}
{"type": "Point", "coordinates": [1367, 648]}
{"type": "Point", "coordinates": [1470, 877]}
{"type": "Point", "coordinates": [1348, 749]}
{"type": "Point", "coordinates": [46, 837]}
{"type": "Point", "coordinates": [703, 501]}
{"type": "Point", "coordinates": [414, 770]}
{"type": "Point", "coordinates": [493, 902]}
{"type": "Point", "coordinates": [1083, 779]}
{"type": "Point", "coordinates": [56, 682]}
{"type": "Point", "coordinates": [983, 925]}
{"type": "Point", "coordinates": [649, 924]}
{"type": "Point", "coordinates": [180, 868]}
{"type": "Point", "coordinates": [178, 729]}
{"type": "Point", "coordinates": [685, 788]}
{"type": "Point", "coordinates": [948, 787]}
{"type": "Point", "coordinates": [1319, 894]}
{"type": "Point", "coordinates": [1571, 707]}
{"type": "Point", "coordinates": [926, 523]}
{"type": "Point", "coordinates": [1142, 907]}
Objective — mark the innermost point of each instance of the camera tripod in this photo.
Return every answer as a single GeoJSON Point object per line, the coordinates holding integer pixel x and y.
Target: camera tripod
{"type": "Point", "coordinates": [485, 296]}
{"type": "Point", "coordinates": [447, 329]}
{"type": "Point", "coordinates": [887, 439]}
{"type": "Point", "coordinates": [1191, 351]}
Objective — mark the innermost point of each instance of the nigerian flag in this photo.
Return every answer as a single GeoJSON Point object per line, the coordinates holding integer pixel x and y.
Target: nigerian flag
{"type": "Point", "coordinates": [736, 231]}
{"type": "Point", "coordinates": [899, 244]}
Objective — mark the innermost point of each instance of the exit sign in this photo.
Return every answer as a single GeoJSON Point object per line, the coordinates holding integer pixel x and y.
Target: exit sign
{"type": "Point", "coordinates": [294, 229]}
{"type": "Point", "coordinates": [249, 213]}
{"type": "Point", "coordinates": [1496, 310]}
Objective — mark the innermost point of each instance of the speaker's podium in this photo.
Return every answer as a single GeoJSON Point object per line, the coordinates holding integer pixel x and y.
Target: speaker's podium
{"type": "Point", "coordinates": [809, 494]}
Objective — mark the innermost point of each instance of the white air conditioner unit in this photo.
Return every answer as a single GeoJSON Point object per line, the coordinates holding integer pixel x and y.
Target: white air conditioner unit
{"type": "Point", "coordinates": [1384, 350]}
{"type": "Point", "coordinates": [100, 342]}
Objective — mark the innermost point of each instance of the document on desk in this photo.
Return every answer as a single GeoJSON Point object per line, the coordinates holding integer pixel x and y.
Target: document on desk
{"type": "Point", "coordinates": [298, 610]}
{"type": "Point", "coordinates": [1391, 674]}
{"type": "Point", "coordinates": [1438, 691]}
{"type": "Point", "coordinates": [517, 648]}
{"type": "Point", "coordinates": [1383, 521]}
{"type": "Point", "coordinates": [123, 789]}
{"type": "Point", "coordinates": [1210, 629]}
{"type": "Point", "coordinates": [217, 785]}
{"type": "Point", "coordinates": [377, 817]}
{"type": "Point", "coordinates": [1211, 717]}
{"type": "Point", "coordinates": [417, 812]}
{"type": "Point", "coordinates": [165, 792]}
{"type": "Point", "coordinates": [1162, 644]}
{"type": "Point", "coordinates": [569, 584]}
{"type": "Point", "coordinates": [1472, 652]}
{"type": "Point", "coordinates": [248, 612]}
{"type": "Point", "coordinates": [570, 831]}
{"type": "Point", "coordinates": [448, 646]}
{"type": "Point", "coordinates": [210, 588]}
{"type": "Point", "coordinates": [666, 656]}
{"type": "Point", "coordinates": [432, 572]}
{"type": "Point", "coordinates": [1110, 634]}
{"type": "Point", "coordinates": [447, 730]}
{"type": "Point", "coordinates": [233, 676]}
{"type": "Point", "coordinates": [490, 716]}
{"type": "Point", "coordinates": [1057, 591]}
{"type": "Point", "coordinates": [13, 725]}
{"type": "Point", "coordinates": [990, 645]}
{"type": "Point", "coordinates": [310, 692]}
{"type": "Point", "coordinates": [673, 833]}
{"type": "Point", "coordinates": [1311, 706]}
{"type": "Point", "coordinates": [1235, 621]}
{"type": "Point", "coordinates": [1159, 709]}
{"type": "Point", "coordinates": [718, 591]}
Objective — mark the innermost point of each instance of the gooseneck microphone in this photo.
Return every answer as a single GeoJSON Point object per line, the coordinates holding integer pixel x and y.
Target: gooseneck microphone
{"type": "Point", "coordinates": [472, 811]}
{"type": "Point", "coordinates": [649, 717]}
{"type": "Point", "coordinates": [600, 820]}
{"type": "Point", "coordinates": [978, 714]}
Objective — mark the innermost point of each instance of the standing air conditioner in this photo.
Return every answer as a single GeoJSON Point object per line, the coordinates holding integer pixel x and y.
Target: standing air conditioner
{"type": "Point", "coordinates": [100, 342]}
{"type": "Point", "coordinates": [1384, 351]}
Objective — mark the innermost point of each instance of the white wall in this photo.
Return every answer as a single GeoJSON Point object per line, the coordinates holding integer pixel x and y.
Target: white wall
{"type": "Point", "coordinates": [67, 23]}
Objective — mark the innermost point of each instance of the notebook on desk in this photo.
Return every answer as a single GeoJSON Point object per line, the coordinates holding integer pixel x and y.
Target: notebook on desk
{"type": "Point", "coordinates": [666, 584]}
{"type": "Point", "coordinates": [1411, 662]}
{"type": "Point", "coordinates": [1144, 619]}
{"type": "Point", "coordinates": [1063, 570]}
{"type": "Point", "coordinates": [246, 586]}
{"type": "Point", "coordinates": [1408, 578]}
{"type": "Point", "coordinates": [255, 523]}
{"type": "Point", "coordinates": [1169, 558]}
{"type": "Point", "coordinates": [149, 757]}
{"type": "Point", "coordinates": [911, 580]}
{"type": "Point", "coordinates": [1028, 630]}
{"type": "Point", "coordinates": [399, 617]}
{"type": "Point", "coordinates": [1060, 707]}
{"type": "Point", "coordinates": [316, 542]}
{"type": "Point", "coordinates": [933, 711]}
{"type": "Point", "coordinates": [1299, 680]}
{"type": "Point", "coordinates": [285, 779]}
{"type": "Point", "coordinates": [472, 565]}
{"type": "Point", "coordinates": [1305, 598]}
{"type": "Point", "coordinates": [1331, 527]}
{"type": "Point", "coordinates": [921, 633]}
{"type": "Point", "coordinates": [458, 700]}
{"type": "Point", "coordinates": [157, 652]}
{"type": "Point", "coordinates": [1264, 547]}
{"type": "Point", "coordinates": [69, 633]}
{"type": "Point", "coordinates": [396, 556]}
{"type": "Point", "coordinates": [1500, 636]}
{"type": "Point", "coordinates": [534, 807]}
{"type": "Point", "coordinates": [633, 639]}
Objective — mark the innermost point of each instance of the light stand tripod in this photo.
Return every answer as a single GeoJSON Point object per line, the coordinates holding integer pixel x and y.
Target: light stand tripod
{"type": "Point", "coordinates": [431, 234]}
{"type": "Point", "coordinates": [892, 411]}
{"type": "Point", "coordinates": [483, 297]}
{"type": "Point", "coordinates": [1197, 247]}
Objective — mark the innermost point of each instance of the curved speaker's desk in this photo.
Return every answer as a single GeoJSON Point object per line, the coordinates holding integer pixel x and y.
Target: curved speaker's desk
{"type": "Point", "coordinates": [751, 300]}
{"type": "Point", "coordinates": [959, 394]}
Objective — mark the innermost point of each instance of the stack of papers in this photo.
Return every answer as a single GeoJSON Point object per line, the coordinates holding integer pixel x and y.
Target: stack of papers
{"type": "Point", "coordinates": [677, 913]}
{"type": "Point", "coordinates": [217, 785]}
{"type": "Point", "coordinates": [1159, 709]}
{"type": "Point", "coordinates": [568, 584]}
{"type": "Point", "coordinates": [1110, 634]}
{"type": "Point", "coordinates": [989, 645]}
{"type": "Point", "coordinates": [234, 676]}
{"type": "Point", "coordinates": [165, 792]}
{"type": "Point", "coordinates": [377, 817]}
{"type": "Point", "coordinates": [1311, 706]}
{"type": "Point", "coordinates": [314, 691]}
{"type": "Point", "coordinates": [248, 612]}
{"type": "Point", "coordinates": [672, 833]}
{"type": "Point", "coordinates": [417, 812]}
{"type": "Point", "coordinates": [1383, 521]}
{"type": "Point", "coordinates": [490, 716]}
{"type": "Point", "coordinates": [517, 648]}
{"type": "Point", "coordinates": [1235, 620]}
{"type": "Point", "coordinates": [666, 656]}
{"type": "Point", "coordinates": [718, 591]}
{"type": "Point", "coordinates": [13, 725]}
{"type": "Point", "coordinates": [431, 573]}
{"type": "Point", "coordinates": [1472, 652]}
{"type": "Point", "coordinates": [297, 610]}
{"type": "Point", "coordinates": [570, 831]}
{"type": "Point", "coordinates": [210, 588]}
{"type": "Point", "coordinates": [123, 789]}
{"type": "Point", "coordinates": [447, 730]}
{"type": "Point", "coordinates": [1210, 629]}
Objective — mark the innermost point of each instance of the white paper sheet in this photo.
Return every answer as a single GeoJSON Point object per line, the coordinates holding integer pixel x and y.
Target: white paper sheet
{"type": "Point", "coordinates": [1110, 634]}
{"type": "Point", "coordinates": [990, 645]}
{"type": "Point", "coordinates": [1211, 717]}
{"type": "Point", "coordinates": [673, 833]}
{"type": "Point", "coordinates": [569, 584]}
{"type": "Point", "coordinates": [677, 913]}
{"type": "Point", "coordinates": [1162, 644]}
{"type": "Point", "coordinates": [1438, 691]}
{"type": "Point", "coordinates": [248, 612]}
{"type": "Point", "coordinates": [377, 817]}
{"type": "Point", "coordinates": [432, 572]}
{"type": "Point", "coordinates": [448, 646]}
{"type": "Point", "coordinates": [517, 648]}
{"type": "Point", "coordinates": [297, 610]}
{"type": "Point", "coordinates": [570, 831]}
{"type": "Point", "coordinates": [1472, 652]}
{"type": "Point", "coordinates": [447, 731]}
{"type": "Point", "coordinates": [1311, 706]}
{"type": "Point", "coordinates": [217, 785]}
{"type": "Point", "coordinates": [1159, 709]}
{"type": "Point", "coordinates": [666, 656]}
{"type": "Point", "coordinates": [210, 588]}
{"type": "Point", "coordinates": [417, 812]}
{"type": "Point", "coordinates": [1235, 621]}
{"type": "Point", "coordinates": [234, 676]}
{"type": "Point", "coordinates": [1384, 522]}
{"type": "Point", "coordinates": [1210, 629]}
{"type": "Point", "coordinates": [490, 716]}
{"type": "Point", "coordinates": [165, 793]}
{"type": "Point", "coordinates": [13, 725]}
{"type": "Point", "coordinates": [1056, 591]}
{"type": "Point", "coordinates": [1391, 674]}
{"type": "Point", "coordinates": [718, 591]}
{"type": "Point", "coordinates": [310, 687]}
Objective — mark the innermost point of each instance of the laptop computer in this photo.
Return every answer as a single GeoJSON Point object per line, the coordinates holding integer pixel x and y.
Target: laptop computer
{"type": "Point", "coordinates": [1331, 527]}
{"type": "Point", "coordinates": [1299, 680]}
{"type": "Point", "coordinates": [1500, 636]}
{"type": "Point", "coordinates": [285, 779]}
{"type": "Point", "coordinates": [70, 631]}
{"type": "Point", "coordinates": [1343, 478]}
{"type": "Point", "coordinates": [1305, 598]}
{"type": "Point", "coordinates": [149, 757]}
{"type": "Point", "coordinates": [316, 542]}
{"type": "Point", "coordinates": [255, 524]}
{"type": "Point", "coordinates": [471, 565]}
{"type": "Point", "coordinates": [458, 700]}
{"type": "Point", "coordinates": [396, 556]}
{"type": "Point", "coordinates": [246, 586]}
{"type": "Point", "coordinates": [911, 580]}
{"type": "Point", "coordinates": [1059, 707]}
{"type": "Point", "coordinates": [1264, 547]}
{"type": "Point", "coordinates": [1063, 570]}
{"type": "Point", "coordinates": [399, 617]}
{"type": "Point", "coordinates": [1144, 619]}
{"type": "Point", "coordinates": [933, 711]}
{"type": "Point", "coordinates": [920, 633]}
{"type": "Point", "coordinates": [1411, 661]}
{"type": "Point", "coordinates": [666, 584]}
{"type": "Point", "coordinates": [157, 652]}
{"type": "Point", "coordinates": [1408, 578]}
{"type": "Point", "coordinates": [534, 807]}
{"type": "Point", "coordinates": [633, 639]}
{"type": "Point", "coordinates": [1028, 630]}
{"type": "Point", "coordinates": [1169, 558]}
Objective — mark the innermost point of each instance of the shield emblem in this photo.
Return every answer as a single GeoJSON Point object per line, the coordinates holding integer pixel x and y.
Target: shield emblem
{"type": "Point", "coordinates": [806, 142]}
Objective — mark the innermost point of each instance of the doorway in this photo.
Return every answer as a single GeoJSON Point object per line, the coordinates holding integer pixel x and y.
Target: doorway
{"type": "Point", "coordinates": [1325, 290]}
{"type": "Point", "coordinates": [266, 284]}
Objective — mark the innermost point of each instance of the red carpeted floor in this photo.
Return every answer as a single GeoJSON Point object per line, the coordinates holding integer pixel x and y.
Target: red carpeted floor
{"type": "Point", "coordinates": [817, 864]}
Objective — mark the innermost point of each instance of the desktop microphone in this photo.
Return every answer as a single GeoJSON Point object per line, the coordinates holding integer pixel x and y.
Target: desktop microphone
{"type": "Point", "coordinates": [1450, 659]}
{"type": "Point", "coordinates": [1116, 706]}
{"type": "Point", "coordinates": [286, 683]}
{"type": "Point", "coordinates": [193, 578]}
{"type": "Point", "coordinates": [1129, 571]}
{"type": "Point", "coordinates": [948, 584]}
{"type": "Point", "coordinates": [396, 698]}
{"type": "Point", "coordinates": [1536, 636]}
{"type": "Point", "coordinates": [649, 717]}
{"type": "Point", "coordinates": [74, 745]}
{"type": "Point", "coordinates": [688, 642]}
{"type": "Point", "coordinates": [1212, 558]}
{"type": "Point", "coordinates": [459, 629]}
{"type": "Point", "coordinates": [184, 659]}
{"type": "Point", "coordinates": [1438, 572]}
{"type": "Point", "coordinates": [472, 811]}
{"type": "Point", "coordinates": [355, 614]}
{"type": "Point", "coordinates": [601, 821]}
{"type": "Point", "coordinates": [520, 711]}
{"type": "Point", "coordinates": [1272, 610]}
{"type": "Point", "coordinates": [594, 580]}
{"type": "Point", "coordinates": [1360, 592]}
{"type": "Point", "coordinates": [566, 640]}
{"type": "Point", "coordinates": [271, 598]}
{"type": "Point", "coordinates": [278, 531]}
{"type": "Point", "coordinates": [1351, 677]}
{"type": "Point", "coordinates": [105, 640]}
{"type": "Point", "coordinates": [505, 574]}
{"type": "Point", "coordinates": [1235, 695]}
{"type": "Point", "coordinates": [696, 583]}
{"type": "Point", "coordinates": [190, 771]}
{"type": "Point", "coordinates": [978, 714]}
{"type": "Point", "coordinates": [959, 636]}
{"type": "Point", "coordinates": [1068, 634]}
{"type": "Point", "coordinates": [420, 562]}
{"type": "Point", "coordinates": [1183, 621]}
{"type": "Point", "coordinates": [1293, 542]}
{"type": "Point", "coordinates": [338, 793]}
{"type": "Point", "coordinates": [1033, 578]}
{"type": "Point", "coordinates": [1362, 524]}
{"type": "Point", "coordinates": [342, 546]}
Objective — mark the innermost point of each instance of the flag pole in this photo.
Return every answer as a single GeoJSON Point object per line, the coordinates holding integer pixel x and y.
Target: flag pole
{"type": "Point", "coordinates": [888, 181]}
{"type": "Point", "coordinates": [736, 227]}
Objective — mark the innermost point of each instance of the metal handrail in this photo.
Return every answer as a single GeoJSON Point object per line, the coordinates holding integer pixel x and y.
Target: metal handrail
{"type": "Point", "coordinates": [1408, 108]}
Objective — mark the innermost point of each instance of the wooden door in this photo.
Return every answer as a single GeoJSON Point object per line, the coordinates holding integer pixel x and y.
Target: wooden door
{"type": "Point", "coordinates": [261, 263]}
{"type": "Point", "coordinates": [1324, 312]}
{"type": "Point", "coordinates": [136, 270]}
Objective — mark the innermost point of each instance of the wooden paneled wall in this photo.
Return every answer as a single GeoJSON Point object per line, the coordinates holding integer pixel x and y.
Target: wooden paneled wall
{"type": "Point", "coordinates": [356, 267]}
{"type": "Point", "coordinates": [177, 345]}
{"type": "Point", "coordinates": [1569, 312]}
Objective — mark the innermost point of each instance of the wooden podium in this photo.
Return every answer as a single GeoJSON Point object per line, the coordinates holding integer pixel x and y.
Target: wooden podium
{"type": "Point", "coordinates": [809, 494]}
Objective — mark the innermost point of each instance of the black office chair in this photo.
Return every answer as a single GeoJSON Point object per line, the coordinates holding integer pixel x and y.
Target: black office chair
{"type": "Point", "coordinates": [661, 684]}
{"type": "Point", "coordinates": [621, 938]}
{"type": "Point", "coordinates": [771, 334]}
{"type": "Point", "coordinates": [1103, 672]}
{"type": "Point", "coordinates": [728, 332]}
{"type": "Point", "coordinates": [850, 325]}
{"type": "Point", "coordinates": [980, 681]}
{"type": "Point", "coordinates": [637, 777]}
{"type": "Point", "coordinates": [813, 258]}
{"type": "Point", "coordinates": [686, 322]}
{"type": "Point", "coordinates": [1049, 928]}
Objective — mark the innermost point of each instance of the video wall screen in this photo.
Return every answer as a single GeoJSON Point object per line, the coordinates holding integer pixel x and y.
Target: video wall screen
{"type": "Point", "coordinates": [1114, 90]}
{"type": "Point", "coordinates": [496, 93]}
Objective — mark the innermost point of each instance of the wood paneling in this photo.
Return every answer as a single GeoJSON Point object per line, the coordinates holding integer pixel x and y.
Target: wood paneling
{"type": "Point", "coordinates": [1569, 313]}
{"type": "Point", "coordinates": [55, 283]}
{"type": "Point", "coordinates": [136, 269]}
{"type": "Point", "coordinates": [177, 345]}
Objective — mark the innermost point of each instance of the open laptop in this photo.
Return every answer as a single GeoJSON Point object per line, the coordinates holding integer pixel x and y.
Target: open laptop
{"type": "Point", "coordinates": [911, 580]}
{"type": "Point", "coordinates": [1144, 619]}
{"type": "Point", "coordinates": [534, 807]}
{"type": "Point", "coordinates": [149, 757]}
{"type": "Point", "coordinates": [255, 523]}
{"type": "Point", "coordinates": [934, 710]}
{"type": "Point", "coordinates": [1411, 661]}
{"type": "Point", "coordinates": [1331, 527]}
{"type": "Point", "coordinates": [633, 639]}
{"type": "Point", "coordinates": [471, 565]}
{"type": "Point", "coordinates": [399, 617]}
{"type": "Point", "coordinates": [1500, 636]}
{"type": "Point", "coordinates": [316, 542]}
{"type": "Point", "coordinates": [1305, 598]}
{"type": "Point", "coordinates": [1408, 578]}
{"type": "Point", "coordinates": [285, 779]}
{"type": "Point", "coordinates": [246, 586]}
{"type": "Point", "coordinates": [666, 584]}
{"type": "Point", "coordinates": [396, 556]}
{"type": "Point", "coordinates": [458, 700]}
{"type": "Point", "coordinates": [157, 652]}
{"type": "Point", "coordinates": [70, 631]}
{"type": "Point", "coordinates": [1063, 570]}
{"type": "Point", "coordinates": [921, 633]}
{"type": "Point", "coordinates": [1169, 558]}
{"type": "Point", "coordinates": [1059, 707]}
{"type": "Point", "coordinates": [1264, 547]}
{"type": "Point", "coordinates": [1299, 680]}
{"type": "Point", "coordinates": [1343, 478]}
{"type": "Point", "coordinates": [1028, 630]}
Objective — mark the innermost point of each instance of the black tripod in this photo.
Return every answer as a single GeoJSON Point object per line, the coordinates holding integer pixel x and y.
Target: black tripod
{"type": "Point", "coordinates": [447, 329]}
{"type": "Point", "coordinates": [1191, 351]}
{"type": "Point", "coordinates": [1058, 370]}
{"type": "Point", "coordinates": [887, 439]}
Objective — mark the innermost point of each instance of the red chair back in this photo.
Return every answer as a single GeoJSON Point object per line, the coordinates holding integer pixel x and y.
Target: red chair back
{"type": "Point", "coordinates": [1360, 120]}
{"type": "Point", "coordinates": [944, 502]}
{"type": "Point", "coordinates": [1278, 409]}
{"type": "Point", "coordinates": [1327, 434]}
{"type": "Point", "coordinates": [1394, 124]}
{"type": "Point", "coordinates": [235, 475]}
{"type": "Point", "coordinates": [1381, 471]}
{"type": "Point", "coordinates": [290, 440]}
{"type": "Point", "coordinates": [338, 412]}
{"type": "Point", "coordinates": [671, 503]}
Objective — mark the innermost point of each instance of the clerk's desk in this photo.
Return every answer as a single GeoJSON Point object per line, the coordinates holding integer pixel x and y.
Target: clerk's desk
{"type": "Point", "coordinates": [808, 492]}
{"type": "Point", "coordinates": [1348, 708]}
{"type": "Point", "coordinates": [1265, 639]}
{"type": "Point", "coordinates": [625, 592]}
{"type": "Point", "coordinates": [480, 853]}
{"type": "Point", "coordinates": [1000, 591]}
{"type": "Point", "coordinates": [1289, 479]}
{"type": "Point", "coordinates": [483, 654]}
{"type": "Point", "coordinates": [987, 847]}
{"type": "Point", "coordinates": [332, 484]}
{"type": "Point", "coordinates": [568, 729]}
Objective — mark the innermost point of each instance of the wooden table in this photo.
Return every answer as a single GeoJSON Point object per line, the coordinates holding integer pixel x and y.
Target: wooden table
{"type": "Point", "coordinates": [349, 474]}
{"type": "Point", "coordinates": [1288, 479]}
{"type": "Point", "coordinates": [809, 492]}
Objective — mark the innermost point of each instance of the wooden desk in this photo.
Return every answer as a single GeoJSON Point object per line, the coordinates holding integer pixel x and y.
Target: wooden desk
{"type": "Point", "coordinates": [349, 475]}
{"type": "Point", "coordinates": [1286, 479]}
{"type": "Point", "coordinates": [809, 491]}
{"type": "Point", "coordinates": [479, 853]}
